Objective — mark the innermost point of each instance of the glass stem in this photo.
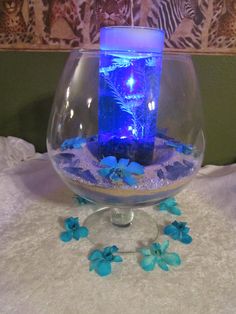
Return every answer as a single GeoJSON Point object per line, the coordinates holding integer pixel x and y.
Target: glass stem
{"type": "Point", "coordinates": [121, 217]}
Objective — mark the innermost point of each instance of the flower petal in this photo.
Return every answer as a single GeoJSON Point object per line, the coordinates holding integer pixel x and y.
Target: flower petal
{"type": "Point", "coordinates": [114, 177]}
{"type": "Point", "coordinates": [175, 210]}
{"type": "Point", "coordinates": [145, 251]}
{"type": "Point", "coordinates": [66, 236]}
{"type": "Point", "coordinates": [109, 161]}
{"type": "Point", "coordinates": [123, 163]}
{"type": "Point", "coordinates": [76, 234]}
{"type": "Point", "coordinates": [186, 230]}
{"type": "Point", "coordinates": [103, 268]}
{"type": "Point", "coordinates": [170, 202]}
{"type": "Point", "coordinates": [155, 247]}
{"type": "Point", "coordinates": [107, 251]}
{"type": "Point", "coordinates": [163, 265]}
{"type": "Point", "coordinates": [104, 172]}
{"type": "Point", "coordinates": [186, 239]}
{"type": "Point", "coordinates": [114, 249]}
{"type": "Point", "coordinates": [148, 263]}
{"type": "Point", "coordinates": [172, 259]}
{"type": "Point", "coordinates": [163, 207]}
{"type": "Point", "coordinates": [70, 222]}
{"type": "Point", "coordinates": [83, 232]}
{"type": "Point", "coordinates": [178, 225]}
{"type": "Point", "coordinates": [117, 259]}
{"type": "Point", "coordinates": [172, 231]}
{"type": "Point", "coordinates": [93, 264]}
{"type": "Point", "coordinates": [94, 255]}
{"type": "Point", "coordinates": [129, 179]}
{"type": "Point", "coordinates": [135, 168]}
{"type": "Point", "coordinates": [164, 246]}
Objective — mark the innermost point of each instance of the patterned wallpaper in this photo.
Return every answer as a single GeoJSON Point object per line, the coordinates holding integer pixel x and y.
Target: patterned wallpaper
{"type": "Point", "coordinates": [198, 26]}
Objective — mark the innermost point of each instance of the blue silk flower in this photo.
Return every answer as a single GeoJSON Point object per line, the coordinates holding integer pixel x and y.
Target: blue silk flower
{"type": "Point", "coordinates": [100, 260]}
{"type": "Point", "coordinates": [170, 205]}
{"type": "Point", "coordinates": [122, 170]}
{"type": "Point", "coordinates": [178, 231]}
{"type": "Point", "coordinates": [157, 254]}
{"type": "Point", "coordinates": [73, 230]}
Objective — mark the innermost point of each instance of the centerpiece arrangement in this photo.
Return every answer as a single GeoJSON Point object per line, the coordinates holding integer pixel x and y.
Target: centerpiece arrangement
{"type": "Point", "coordinates": [126, 131]}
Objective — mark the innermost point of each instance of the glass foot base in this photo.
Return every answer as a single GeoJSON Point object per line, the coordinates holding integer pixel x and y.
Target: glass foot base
{"type": "Point", "coordinates": [141, 231]}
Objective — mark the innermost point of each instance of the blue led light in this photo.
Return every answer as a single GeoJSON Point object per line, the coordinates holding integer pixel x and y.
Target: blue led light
{"type": "Point", "coordinates": [130, 83]}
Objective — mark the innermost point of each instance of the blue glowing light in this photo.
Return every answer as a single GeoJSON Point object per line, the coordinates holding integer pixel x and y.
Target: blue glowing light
{"type": "Point", "coordinates": [130, 83]}
{"type": "Point", "coordinates": [128, 92]}
{"type": "Point", "coordinates": [128, 107]}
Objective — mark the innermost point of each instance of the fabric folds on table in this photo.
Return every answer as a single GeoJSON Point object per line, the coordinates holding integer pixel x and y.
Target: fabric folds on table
{"type": "Point", "coordinates": [41, 274]}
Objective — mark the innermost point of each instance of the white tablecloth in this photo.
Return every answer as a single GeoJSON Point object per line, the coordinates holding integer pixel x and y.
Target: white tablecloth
{"type": "Point", "coordinates": [40, 274]}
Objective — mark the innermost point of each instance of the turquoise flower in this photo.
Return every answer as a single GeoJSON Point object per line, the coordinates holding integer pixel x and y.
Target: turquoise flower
{"type": "Point", "coordinates": [73, 230]}
{"type": "Point", "coordinates": [74, 142]}
{"type": "Point", "coordinates": [100, 261]}
{"type": "Point", "coordinates": [157, 254]}
{"type": "Point", "coordinates": [169, 205]}
{"type": "Point", "coordinates": [80, 200]}
{"type": "Point", "coordinates": [178, 231]}
{"type": "Point", "coordinates": [122, 170]}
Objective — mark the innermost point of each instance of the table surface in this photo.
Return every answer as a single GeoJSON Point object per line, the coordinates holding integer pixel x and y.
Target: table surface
{"type": "Point", "coordinates": [40, 274]}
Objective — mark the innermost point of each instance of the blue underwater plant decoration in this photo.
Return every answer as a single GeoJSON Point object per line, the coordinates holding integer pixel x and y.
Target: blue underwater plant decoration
{"type": "Point", "coordinates": [100, 260]}
{"type": "Point", "coordinates": [73, 230]}
{"type": "Point", "coordinates": [178, 231]}
{"type": "Point", "coordinates": [120, 171]}
{"type": "Point", "coordinates": [157, 254]}
{"type": "Point", "coordinates": [75, 142]}
{"type": "Point", "coordinates": [170, 205]}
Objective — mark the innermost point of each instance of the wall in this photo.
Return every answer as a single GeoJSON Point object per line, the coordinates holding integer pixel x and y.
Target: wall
{"type": "Point", "coordinates": [28, 81]}
{"type": "Point", "coordinates": [217, 78]}
{"type": "Point", "coordinates": [193, 26]}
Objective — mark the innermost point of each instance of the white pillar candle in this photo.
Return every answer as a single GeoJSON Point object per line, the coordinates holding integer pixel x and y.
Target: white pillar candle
{"type": "Point", "coordinates": [138, 39]}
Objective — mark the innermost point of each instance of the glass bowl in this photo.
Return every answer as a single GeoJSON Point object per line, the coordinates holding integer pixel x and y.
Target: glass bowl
{"type": "Point", "coordinates": [126, 132]}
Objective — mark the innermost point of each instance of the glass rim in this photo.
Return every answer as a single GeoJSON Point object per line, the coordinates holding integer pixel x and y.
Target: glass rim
{"type": "Point", "coordinates": [164, 54]}
{"type": "Point", "coordinates": [135, 27]}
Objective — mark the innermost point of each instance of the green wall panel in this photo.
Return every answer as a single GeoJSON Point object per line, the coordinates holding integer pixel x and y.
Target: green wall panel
{"type": "Point", "coordinates": [217, 78]}
{"type": "Point", "coordinates": [27, 84]}
{"type": "Point", "coordinates": [28, 81]}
